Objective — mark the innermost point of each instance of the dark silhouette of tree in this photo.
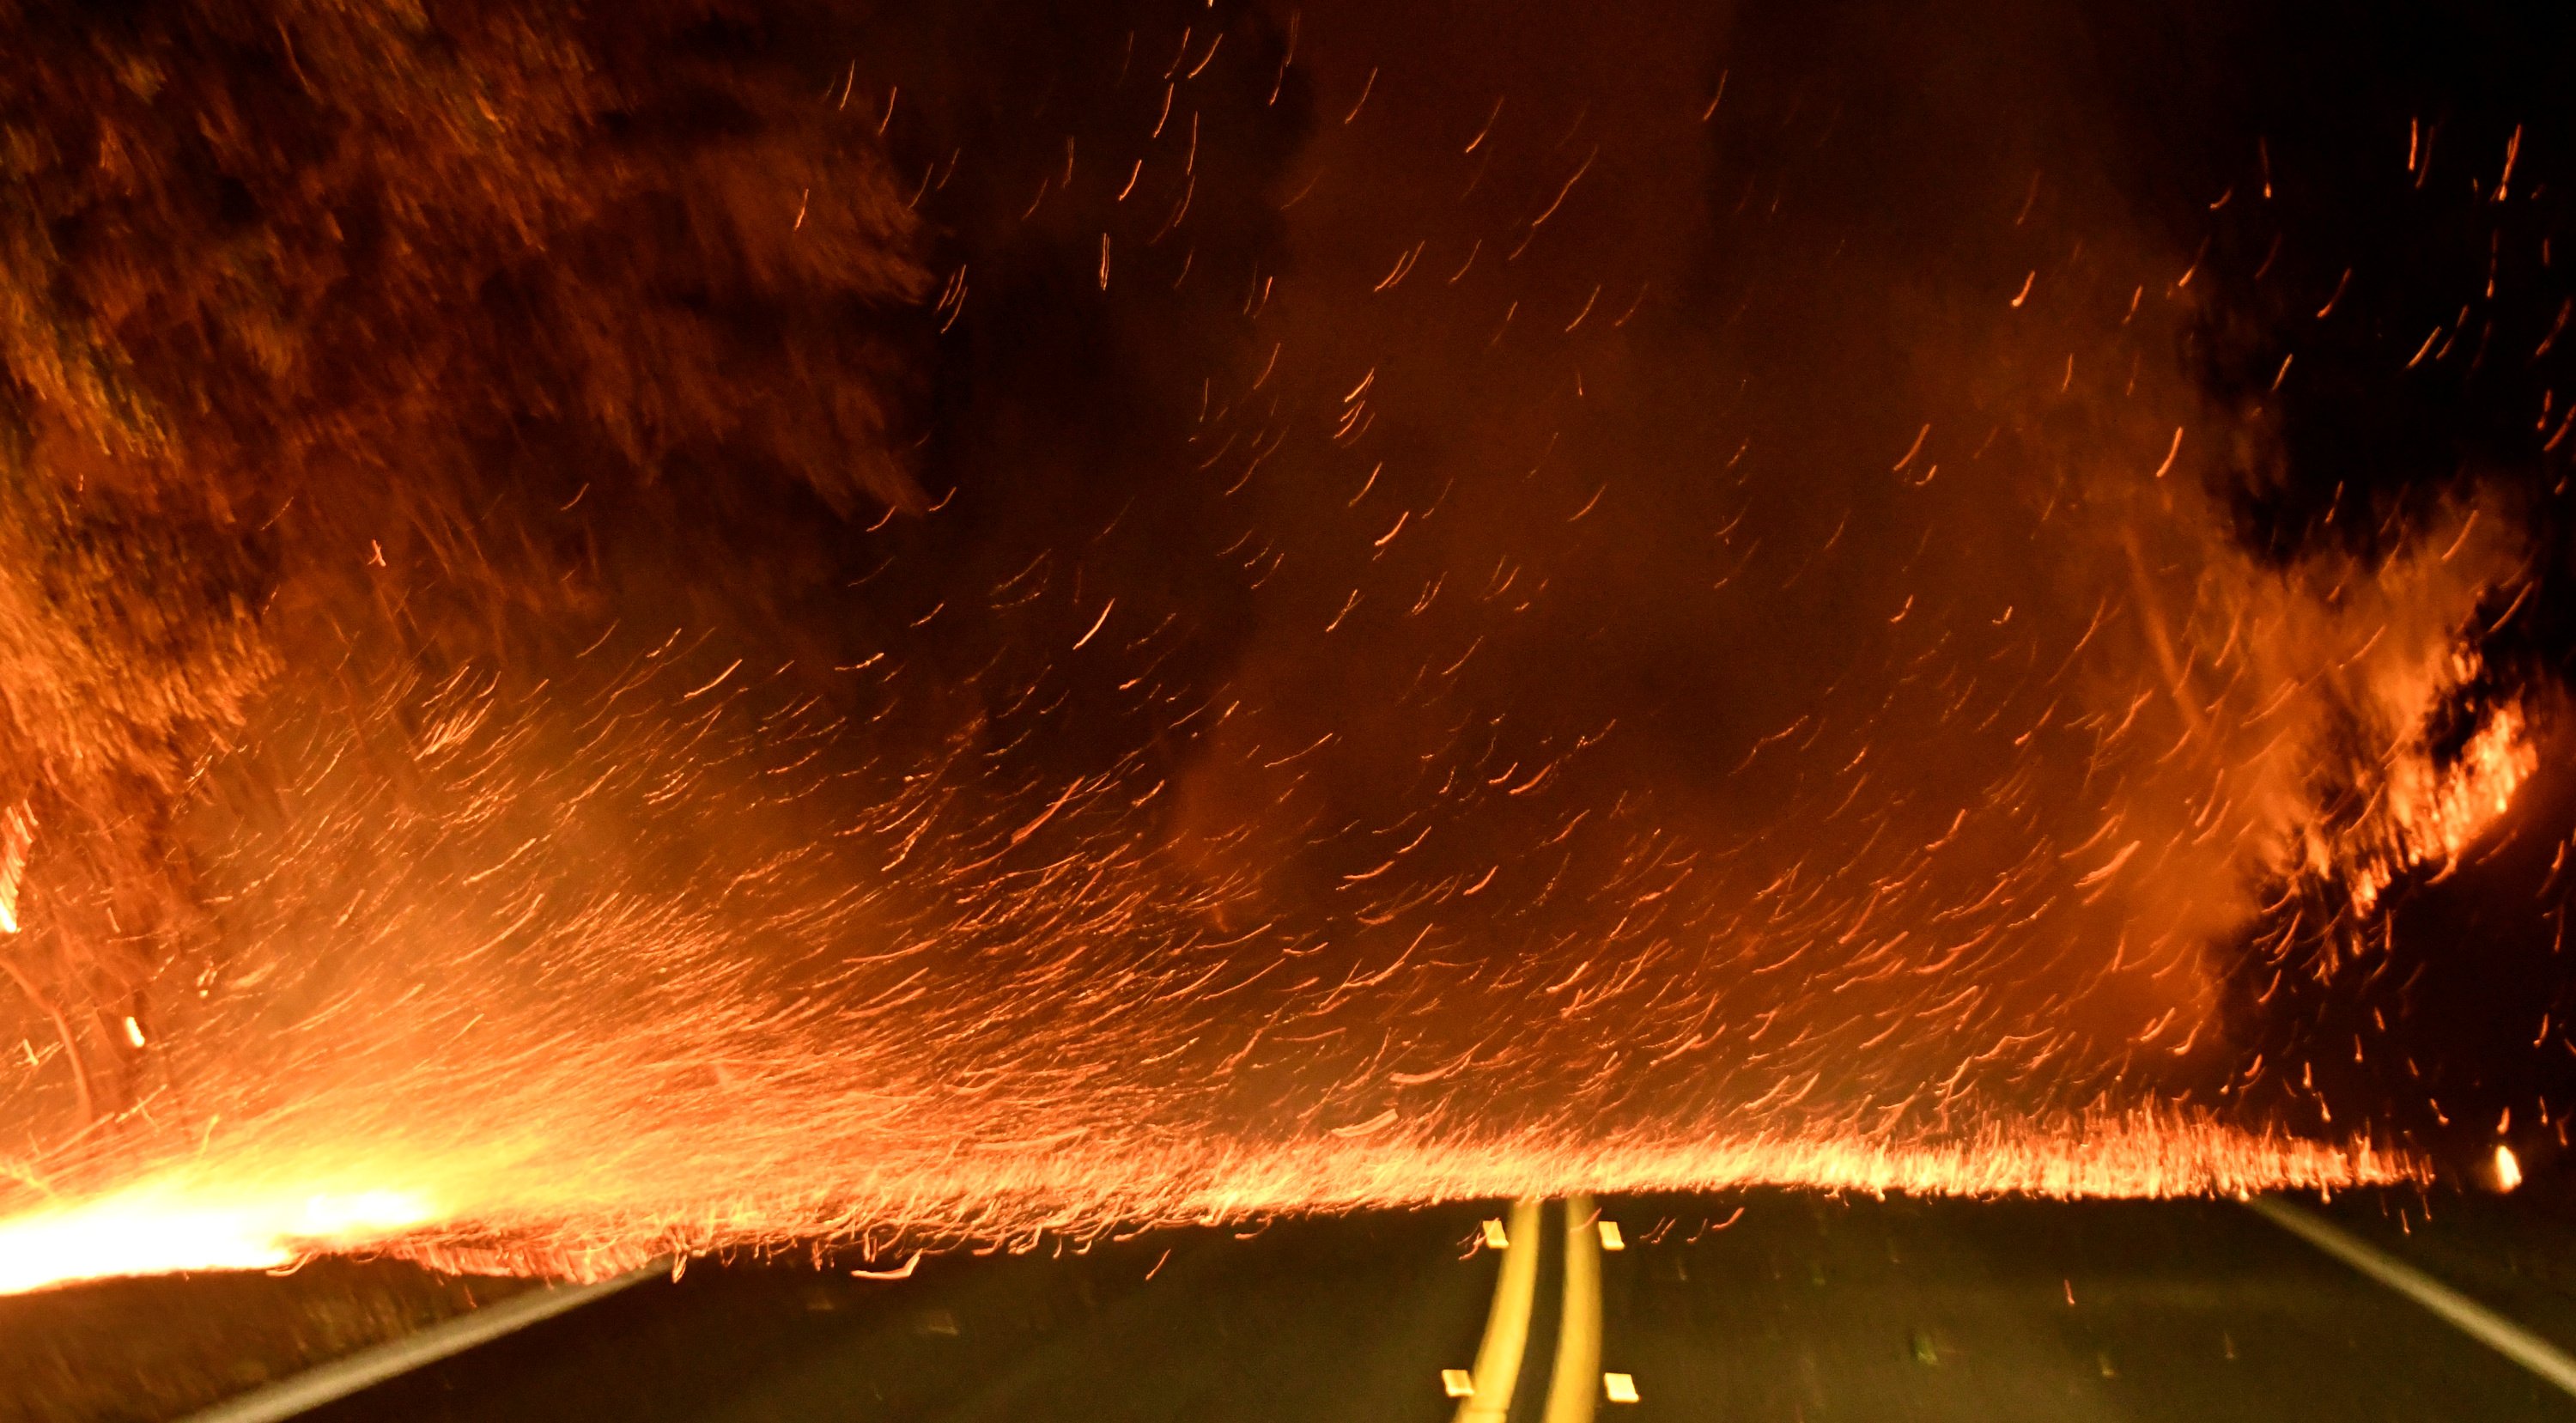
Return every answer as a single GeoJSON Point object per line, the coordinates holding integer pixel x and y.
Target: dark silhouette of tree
{"type": "Point", "coordinates": [336, 307]}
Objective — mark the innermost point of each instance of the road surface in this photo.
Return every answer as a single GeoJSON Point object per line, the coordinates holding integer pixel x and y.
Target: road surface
{"type": "Point", "coordinates": [1759, 1306]}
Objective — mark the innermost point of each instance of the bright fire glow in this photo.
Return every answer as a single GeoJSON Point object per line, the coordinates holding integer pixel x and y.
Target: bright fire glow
{"type": "Point", "coordinates": [201, 1219]}
{"type": "Point", "coordinates": [174, 1224]}
{"type": "Point", "coordinates": [1408, 738]}
{"type": "Point", "coordinates": [2425, 814]}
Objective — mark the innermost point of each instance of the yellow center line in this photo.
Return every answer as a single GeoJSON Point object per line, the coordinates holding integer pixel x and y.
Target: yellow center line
{"type": "Point", "coordinates": [1507, 1323]}
{"type": "Point", "coordinates": [1575, 1387]}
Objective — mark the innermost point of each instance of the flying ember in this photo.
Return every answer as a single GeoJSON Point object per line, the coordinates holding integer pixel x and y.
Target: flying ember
{"type": "Point", "coordinates": [782, 627]}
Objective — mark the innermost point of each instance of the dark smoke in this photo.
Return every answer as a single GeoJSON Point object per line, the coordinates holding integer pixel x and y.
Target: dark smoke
{"type": "Point", "coordinates": [1272, 569]}
{"type": "Point", "coordinates": [2400, 190]}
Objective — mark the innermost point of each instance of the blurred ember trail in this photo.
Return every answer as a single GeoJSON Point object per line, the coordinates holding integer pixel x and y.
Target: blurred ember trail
{"type": "Point", "coordinates": [781, 626]}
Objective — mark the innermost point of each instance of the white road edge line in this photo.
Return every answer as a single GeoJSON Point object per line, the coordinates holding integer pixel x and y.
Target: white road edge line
{"type": "Point", "coordinates": [2470, 1317]}
{"type": "Point", "coordinates": [341, 1377]}
{"type": "Point", "coordinates": [1507, 1322]}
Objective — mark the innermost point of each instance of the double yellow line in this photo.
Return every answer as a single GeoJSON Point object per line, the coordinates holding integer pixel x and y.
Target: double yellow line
{"type": "Point", "coordinates": [1574, 1385]}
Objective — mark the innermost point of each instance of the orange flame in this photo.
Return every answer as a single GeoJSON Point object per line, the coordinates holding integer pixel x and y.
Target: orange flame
{"type": "Point", "coordinates": [257, 1211]}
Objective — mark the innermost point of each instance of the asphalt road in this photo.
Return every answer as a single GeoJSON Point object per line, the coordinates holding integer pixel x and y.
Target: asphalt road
{"type": "Point", "coordinates": [1763, 1306]}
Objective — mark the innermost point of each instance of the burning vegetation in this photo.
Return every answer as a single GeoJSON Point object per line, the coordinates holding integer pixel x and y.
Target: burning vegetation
{"type": "Point", "coordinates": [729, 624]}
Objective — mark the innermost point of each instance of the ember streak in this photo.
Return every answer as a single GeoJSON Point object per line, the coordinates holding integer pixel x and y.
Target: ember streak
{"type": "Point", "coordinates": [745, 624]}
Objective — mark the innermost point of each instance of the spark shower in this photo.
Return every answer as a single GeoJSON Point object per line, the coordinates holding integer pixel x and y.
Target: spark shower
{"type": "Point", "coordinates": [801, 623]}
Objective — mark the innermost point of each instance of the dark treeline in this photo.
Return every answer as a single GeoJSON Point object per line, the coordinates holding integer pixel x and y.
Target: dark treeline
{"type": "Point", "coordinates": [2384, 203]}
